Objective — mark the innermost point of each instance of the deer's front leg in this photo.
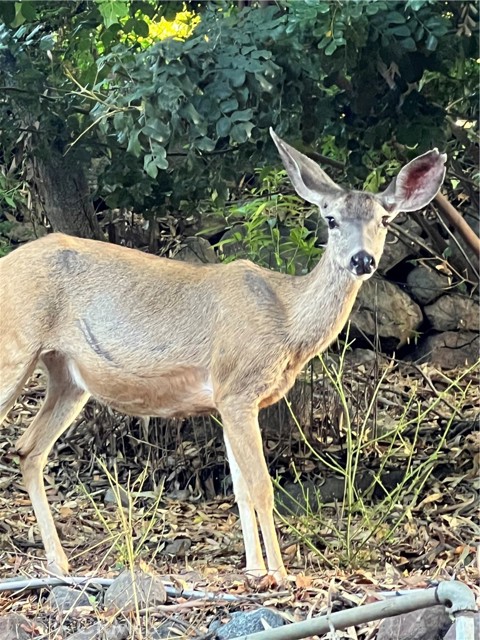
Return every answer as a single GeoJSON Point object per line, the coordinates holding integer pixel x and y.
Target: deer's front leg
{"type": "Point", "coordinates": [253, 552]}
{"type": "Point", "coordinates": [253, 483]}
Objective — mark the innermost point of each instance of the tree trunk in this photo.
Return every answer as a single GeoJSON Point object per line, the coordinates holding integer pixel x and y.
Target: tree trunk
{"type": "Point", "coordinates": [64, 195]}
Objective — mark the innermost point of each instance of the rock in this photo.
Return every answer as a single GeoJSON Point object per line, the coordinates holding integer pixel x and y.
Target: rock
{"type": "Point", "coordinates": [242, 624]}
{"type": "Point", "coordinates": [167, 630]}
{"type": "Point", "coordinates": [452, 632]}
{"type": "Point", "coordinates": [127, 592]}
{"type": "Point", "coordinates": [298, 498]}
{"type": "Point", "coordinates": [178, 547]}
{"type": "Point", "coordinates": [426, 284]}
{"type": "Point", "coordinates": [398, 249]}
{"type": "Point", "coordinates": [196, 250]}
{"type": "Point", "coordinates": [278, 415]}
{"type": "Point", "coordinates": [118, 495]}
{"type": "Point", "coordinates": [306, 496]}
{"type": "Point", "coordinates": [383, 307]}
{"type": "Point", "coordinates": [366, 357]}
{"type": "Point", "coordinates": [14, 626]}
{"type": "Point", "coordinates": [100, 631]}
{"type": "Point", "coordinates": [453, 312]}
{"type": "Point", "coordinates": [24, 231]}
{"type": "Point", "coordinates": [449, 350]}
{"type": "Point", "coordinates": [424, 624]}
{"type": "Point", "coordinates": [67, 598]}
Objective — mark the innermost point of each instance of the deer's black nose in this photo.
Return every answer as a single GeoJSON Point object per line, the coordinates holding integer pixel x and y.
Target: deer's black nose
{"type": "Point", "coordinates": [362, 263]}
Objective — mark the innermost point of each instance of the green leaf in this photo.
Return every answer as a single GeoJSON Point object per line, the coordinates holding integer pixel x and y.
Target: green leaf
{"type": "Point", "coordinates": [401, 30]}
{"type": "Point", "coordinates": [161, 157]}
{"type": "Point", "coordinates": [205, 144]}
{"type": "Point", "coordinates": [356, 10]}
{"type": "Point", "coordinates": [128, 26]}
{"type": "Point", "coordinates": [331, 48]}
{"type": "Point", "coordinates": [227, 106]}
{"type": "Point", "coordinates": [323, 7]}
{"type": "Point", "coordinates": [152, 162]}
{"type": "Point", "coordinates": [7, 12]}
{"type": "Point", "coordinates": [262, 54]}
{"type": "Point", "coordinates": [192, 114]}
{"type": "Point", "coordinates": [408, 44]}
{"type": "Point", "coordinates": [220, 90]}
{"type": "Point", "coordinates": [394, 17]}
{"type": "Point", "coordinates": [431, 43]}
{"type": "Point", "coordinates": [372, 8]}
{"type": "Point", "coordinates": [416, 5]}
{"type": "Point", "coordinates": [242, 116]}
{"type": "Point", "coordinates": [47, 42]}
{"type": "Point", "coordinates": [29, 11]}
{"type": "Point", "coordinates": [141, 28]}
{"type": "Point", "coordinates": [264, 83]}
{"type": "Point", "coordinates": [237, 78]}
{"type": "Point", "coordinates": [134, 145]}
{"type": "Point", "coordinates": [434, 21]}
{"type": "Point", "coordinates": [112, 10]}
{"type": "Point", "coordinates": [149, 166]}
{"type": "Point", "coordinates": [419, 33]}
{"type": "Point", "coordinates": [223, 127]}
{"type": "Point", "coordinates": [241, 132]}
{"type": "Point", "coordinates": [147, 8]}
{"type": "Point", "coordinates": [157, 130]}
{"type": "Point", "coordinates": [120, 121]}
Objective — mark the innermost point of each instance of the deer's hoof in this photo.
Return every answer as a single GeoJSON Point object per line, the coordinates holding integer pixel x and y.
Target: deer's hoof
{"type": "Point", "coordinates": [58, 567]}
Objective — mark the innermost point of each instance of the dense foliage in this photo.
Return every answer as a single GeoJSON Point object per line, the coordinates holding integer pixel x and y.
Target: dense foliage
{"type": "Point", "coordinates": [167, 122]}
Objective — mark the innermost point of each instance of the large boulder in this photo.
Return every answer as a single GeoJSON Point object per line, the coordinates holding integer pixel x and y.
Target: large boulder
{"type": "Point", "coordinates": [399, 248]}
{"type": "Point", "coordinates": [423, 624]}
{"type": "Point", "coordinates": [383, 307]}
{"type": "Point", "coordinates": [196, 250]}
{"type": "Point", "coordinates": [426, 284]}
{"type": "Point", "coordinates": [103, 631]}
{"type": "Point", "coordinates": [246, 623]}
{"type": "Point", "coordinates": [14, 626]}
{"type": "Point", "coordinates": [134, 589]}
{"type": "Point", "coordinates": [452, 312]}
{"type": "Point", "coordinates": [449, 350]}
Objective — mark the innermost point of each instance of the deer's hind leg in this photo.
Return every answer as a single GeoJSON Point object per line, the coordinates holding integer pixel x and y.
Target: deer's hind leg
{"type": "Point", "coordinates": [63, 403]}
{"type": "Point", "coordinates": [14, 373]}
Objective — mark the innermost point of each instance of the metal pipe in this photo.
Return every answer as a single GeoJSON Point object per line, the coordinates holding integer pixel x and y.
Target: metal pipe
{"type": "Point", "coordinates": [455, 595]}
{"type": "Point", "coordinates": [459, 601]}
{"type": "Point", "coordinates": [39, 583]}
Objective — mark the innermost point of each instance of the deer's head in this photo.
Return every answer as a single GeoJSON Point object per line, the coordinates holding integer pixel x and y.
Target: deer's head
{"type": "Point", "coordinates": [357, 220]}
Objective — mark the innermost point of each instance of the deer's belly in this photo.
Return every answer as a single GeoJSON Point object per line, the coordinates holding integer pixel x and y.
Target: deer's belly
{"type": "Point", "coordinates": [178, 393]}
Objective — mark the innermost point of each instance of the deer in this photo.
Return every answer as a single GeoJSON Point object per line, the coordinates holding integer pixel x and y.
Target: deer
{"type": "Point", "coordinates": [150, 336]}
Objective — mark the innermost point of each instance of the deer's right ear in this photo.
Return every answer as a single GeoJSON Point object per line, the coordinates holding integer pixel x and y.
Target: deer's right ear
{"type": "Point", "coordinates": [310, 182]}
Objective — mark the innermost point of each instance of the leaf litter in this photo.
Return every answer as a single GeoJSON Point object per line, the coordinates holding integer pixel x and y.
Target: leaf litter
{"type": "Point", "coordinates": [182, 522]}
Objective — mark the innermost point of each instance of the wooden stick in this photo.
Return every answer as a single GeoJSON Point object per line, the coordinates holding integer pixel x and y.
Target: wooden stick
{"type": "Point", "coordinates": [463, 228]}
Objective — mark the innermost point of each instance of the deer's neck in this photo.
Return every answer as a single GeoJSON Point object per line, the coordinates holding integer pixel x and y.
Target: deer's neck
{"type": "Point", "coordinates": [326, 300]}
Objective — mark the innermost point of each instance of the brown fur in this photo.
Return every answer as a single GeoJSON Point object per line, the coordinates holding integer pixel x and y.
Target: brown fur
{"type": "Point", "coordinates": [154, 337]}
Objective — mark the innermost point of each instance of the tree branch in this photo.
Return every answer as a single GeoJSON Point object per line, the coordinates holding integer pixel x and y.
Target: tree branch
{"type": "Point", "coordinates": [463, 228]}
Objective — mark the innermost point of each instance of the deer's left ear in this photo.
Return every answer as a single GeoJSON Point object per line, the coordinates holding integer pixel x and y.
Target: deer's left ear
{"type": "Point", "coordinates": [416, 184]}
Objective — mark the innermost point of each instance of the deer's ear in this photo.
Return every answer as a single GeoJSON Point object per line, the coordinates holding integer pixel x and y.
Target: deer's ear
{"type": "Point", "coordinates": [416, 184]}
{"type": "Point", "coordinates": [309, 181]}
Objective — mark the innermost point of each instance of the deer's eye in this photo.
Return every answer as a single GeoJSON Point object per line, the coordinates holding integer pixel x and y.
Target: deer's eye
{"type": "Point", "coordinates": [332, 223]}
{"type": "Point", "coordinates": [385, 221]}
